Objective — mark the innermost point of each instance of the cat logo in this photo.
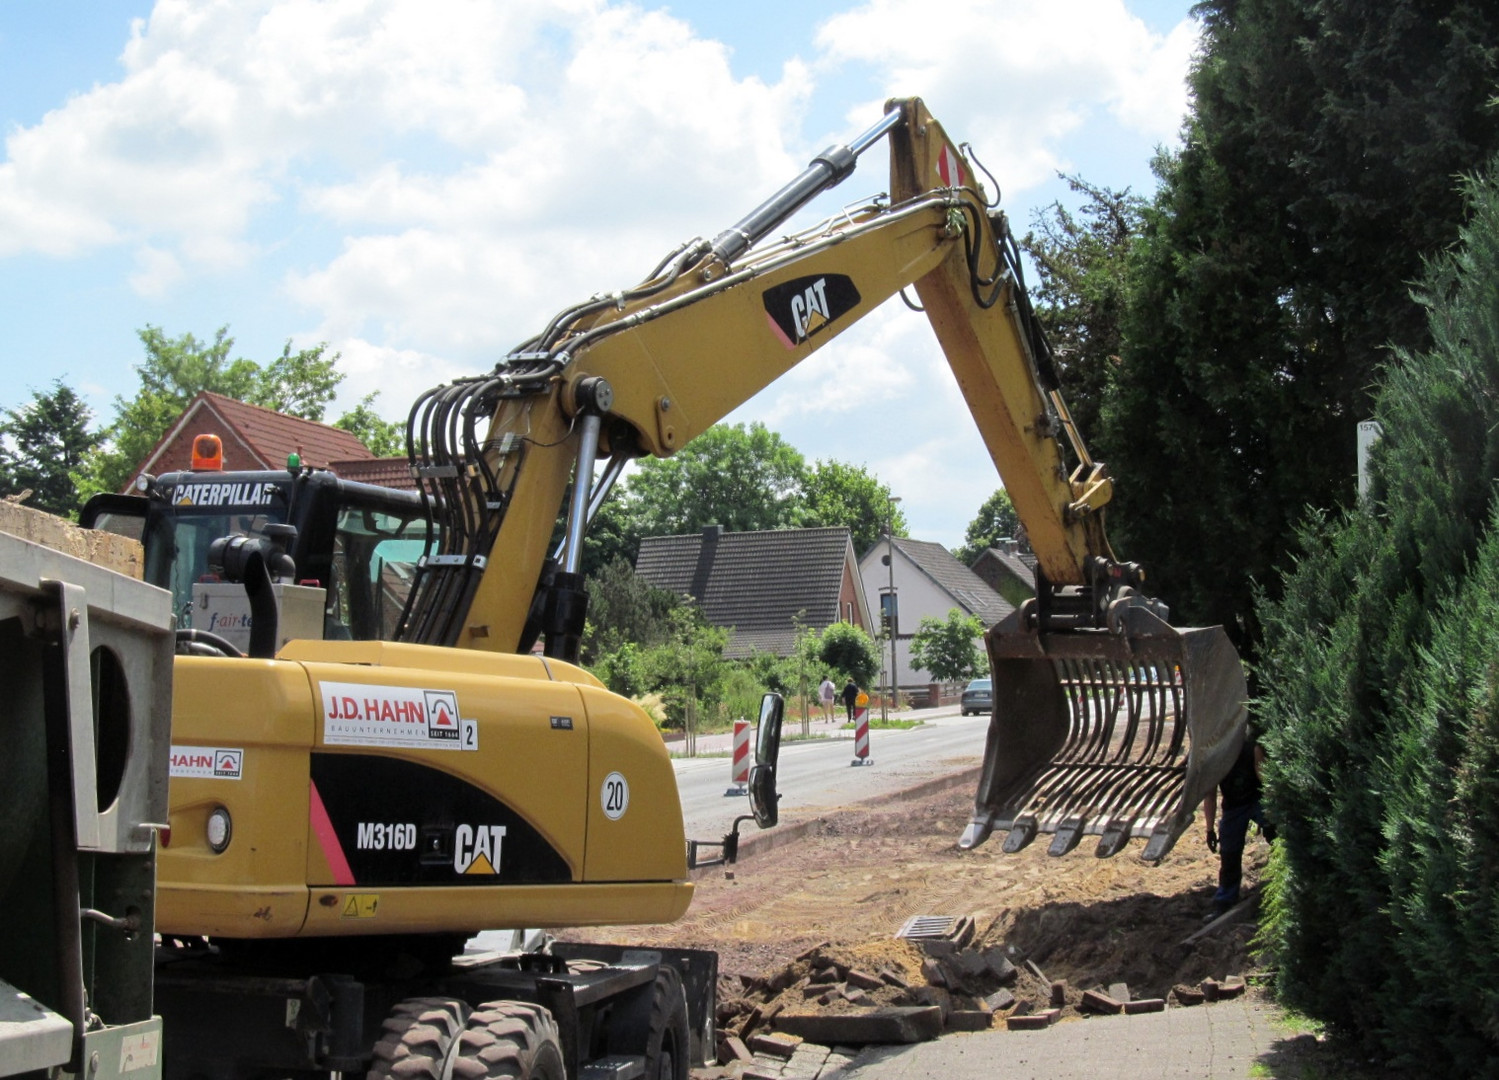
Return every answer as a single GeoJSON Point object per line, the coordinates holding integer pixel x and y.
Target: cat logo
{"type": "Point", "coordinates": [476, 849]}
{"type": "Point", "coordinates": [806, 306]}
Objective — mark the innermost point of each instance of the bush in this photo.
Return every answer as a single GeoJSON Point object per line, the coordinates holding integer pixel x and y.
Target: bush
{"type": "Point", "coordinates": [1381, 700]}
{"type": "Point", "coordinates": [851, 652]}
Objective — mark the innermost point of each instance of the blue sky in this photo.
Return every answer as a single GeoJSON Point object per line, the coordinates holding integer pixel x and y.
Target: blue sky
{"type": "Point", "coordinates": [421, 184]}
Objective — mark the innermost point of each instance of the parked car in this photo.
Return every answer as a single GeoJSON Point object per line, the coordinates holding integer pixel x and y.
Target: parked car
{"type": "Point", "coordinates": [978, 697]}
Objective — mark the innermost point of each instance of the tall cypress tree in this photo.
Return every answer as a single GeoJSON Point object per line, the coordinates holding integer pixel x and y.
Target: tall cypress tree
{"type": "Point", "coordinates": [1318, 170]}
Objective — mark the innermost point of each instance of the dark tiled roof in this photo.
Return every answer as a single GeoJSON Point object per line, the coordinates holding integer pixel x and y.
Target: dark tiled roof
{"type": "Point", "coordinates": [1021, 566]}
{"type": "Point", "coordinates": [392, 472]}
{"type": "Point", "coordinates": [959, 582]}
{"type": "Point", "coordinates": [756, 582]}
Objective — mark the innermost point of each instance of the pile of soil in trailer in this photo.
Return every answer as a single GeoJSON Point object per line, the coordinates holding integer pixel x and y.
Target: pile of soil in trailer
{"type": "Point", "coordinates": [837, 896]}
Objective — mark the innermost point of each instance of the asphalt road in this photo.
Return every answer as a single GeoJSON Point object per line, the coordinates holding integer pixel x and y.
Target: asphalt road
{"type": "Point", "coordinates": [817, 775]}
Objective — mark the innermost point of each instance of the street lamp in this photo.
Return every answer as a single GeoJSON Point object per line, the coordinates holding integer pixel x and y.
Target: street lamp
{"type": "Point", "coordinates": [891, 609]}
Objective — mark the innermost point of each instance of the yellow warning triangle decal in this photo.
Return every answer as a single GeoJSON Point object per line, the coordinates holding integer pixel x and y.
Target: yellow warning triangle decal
{"type": "Point", "coordinates": [481, 865]}
{"type": "Point", "coordinates": [351, 908]}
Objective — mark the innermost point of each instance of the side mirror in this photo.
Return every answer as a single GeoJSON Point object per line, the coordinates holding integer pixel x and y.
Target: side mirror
{"type": "Point", "coordinates": [762, 782]}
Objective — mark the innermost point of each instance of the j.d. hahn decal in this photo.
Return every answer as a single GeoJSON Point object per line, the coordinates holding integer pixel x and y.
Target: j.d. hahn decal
{"type": "Point", "coordinates": [806, 306]}
{"type": "Point", "coordinates": [356, 714]}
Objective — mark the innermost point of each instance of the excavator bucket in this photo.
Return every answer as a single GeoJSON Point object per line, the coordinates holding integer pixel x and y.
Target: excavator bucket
{"type": "Point", "coordinates": [1105, 734]}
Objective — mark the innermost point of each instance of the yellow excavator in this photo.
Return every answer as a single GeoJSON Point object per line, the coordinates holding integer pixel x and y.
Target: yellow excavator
{"type": "Point", "coordinates": [362, 806]}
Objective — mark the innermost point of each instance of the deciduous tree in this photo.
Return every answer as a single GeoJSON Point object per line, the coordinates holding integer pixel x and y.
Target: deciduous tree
{"type": "Point", "coordinates": [40, 443]}
{"type": "Point", "coordinates": [949, 648]}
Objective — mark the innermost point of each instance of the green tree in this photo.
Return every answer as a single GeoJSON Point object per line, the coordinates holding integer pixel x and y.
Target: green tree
{"type": "Point", "coordinates": [301, 383]}
{"type": "Point", "coordinates": [686, 666]}
{"type": "Point", "coordinates": [1381, 700]}
{"type": "Point", "coordinates": [850, 652]}
{"type": "Point", "coordinates": [949, 648]}
{"type": "Point", "coordinates": [1082, 260]}
{"type": "Point", "coordinates": [743, 478]}
{"type": "Point", "coordinates": [1273, 269]}
{"type": "Point", "coordinates": [41, 443]}
{"type": "Point", "coordinates": [177, 369]}
{"type": "Point", "coordinates": [624, 609]}
{"type": "Point", "coordinates": [835, 493]}
{"type": "Point", "coordinates": [384, 438]}
{"type": "Point", "coordinates": [996, 520]}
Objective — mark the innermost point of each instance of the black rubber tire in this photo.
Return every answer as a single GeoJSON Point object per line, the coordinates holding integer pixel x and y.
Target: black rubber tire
{"type": "Point", "coordinates": [667, 1045]}
{"type": "Point", "coordinates": [510, 1040]}
{"type": "Point", "coordinates": [420, 1040]}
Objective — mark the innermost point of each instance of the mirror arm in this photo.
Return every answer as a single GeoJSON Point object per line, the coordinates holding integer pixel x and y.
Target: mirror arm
{"type": "Point", "coordinates": [728, 847]}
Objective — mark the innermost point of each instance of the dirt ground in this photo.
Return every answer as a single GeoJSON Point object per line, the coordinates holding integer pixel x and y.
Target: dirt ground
{"type": "Point", "coordinates": [856, 878]}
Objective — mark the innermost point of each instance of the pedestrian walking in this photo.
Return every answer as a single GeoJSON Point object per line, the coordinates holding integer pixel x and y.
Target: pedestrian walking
{"type": "Point", "coordinates": [1241, 805]}
{"type": "Point", "coordinates": [850, 695]}
{"type": "Point", "coordinates": [828, 693]}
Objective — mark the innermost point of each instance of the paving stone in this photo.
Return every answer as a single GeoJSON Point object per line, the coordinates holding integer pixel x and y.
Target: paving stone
{"type": "Point", "coordinates": [1230, 987]}
{"type": "Point", "coordinates": [891, 977]}
{"type": "Point", "coordinates": [1000, 1000]}
{"type": "Point", "coordinates": [933, 972]}
{"type": "Point", "coordinates": [863, 980]}
{"type": "Point", "coordinates": [1119, 992]}
{"type": "Point", "coordinates": [1187, 995]}
{"type": "Point", "coordinates": [761, 1072]}
{"type": "Point", "coordinates": [1059, 993]}
{"type": "Point", "coordinates": [896, 1024]}
{"type": "Point", "coordinates": [1145, 1005]}
{"type": "Point", "coordinates": [826, 975]}
{"type": "Point", "coordinates": [969, 1020]}
{"type": "Point", "coordinates": [733, 1049]}
{"type": "Point", "coordinates": [999, 966]}
{"type": "Point", "coordinates": [1033, 1021]}
{"type": "Point", "coordinates": [1099, 1002]}
{"type": "Point", "coordinates": [774, 1045]}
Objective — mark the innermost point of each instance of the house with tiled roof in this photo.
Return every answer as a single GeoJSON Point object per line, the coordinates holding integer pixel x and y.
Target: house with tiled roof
{"type": "Point", "coordinates": [761, 585]}
{"type": "Point", "coordinates": [391, 472]}
{"type": "Point", "coordinates": [1008, 570]}
{"type": "Point", "coordinates": [253, 438]}
{"type": "Point", "coordinates": [925, 581]}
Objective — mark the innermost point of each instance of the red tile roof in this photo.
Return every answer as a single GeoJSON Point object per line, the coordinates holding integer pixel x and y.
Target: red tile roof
{"type": "Point", "coordinates": [391, 472]}
{"type": "Point", "coordinates": [254, 437]}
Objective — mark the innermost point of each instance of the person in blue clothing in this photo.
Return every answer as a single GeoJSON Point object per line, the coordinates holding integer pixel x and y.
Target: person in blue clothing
{"type": "Point", "coordinates": [1241, 805]}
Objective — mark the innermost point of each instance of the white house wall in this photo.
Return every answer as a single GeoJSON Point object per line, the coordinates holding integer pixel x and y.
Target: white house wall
{"type": "Point", "coordinates": [919, 597]}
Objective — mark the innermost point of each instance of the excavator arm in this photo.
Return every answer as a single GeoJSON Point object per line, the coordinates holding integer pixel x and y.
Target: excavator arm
{"type": "Point", "coordinates": [644, 371]}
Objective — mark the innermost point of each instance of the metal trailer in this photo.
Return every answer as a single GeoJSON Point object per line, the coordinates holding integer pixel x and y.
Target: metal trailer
{"type": "Point", "coordinates": [85, 681]}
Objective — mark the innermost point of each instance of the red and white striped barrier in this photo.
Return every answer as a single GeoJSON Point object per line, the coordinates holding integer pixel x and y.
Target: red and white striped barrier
{"type": "Point", "coordinates": [861, 736]}
{"type": "Point", "coordinates": [739, 773]}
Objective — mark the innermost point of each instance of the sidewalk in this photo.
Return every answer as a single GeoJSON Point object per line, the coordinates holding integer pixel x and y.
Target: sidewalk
{"type": "Point", "coordinates": [722, 742]}
{"type": "Point", "coordinates": [1229, 1040]}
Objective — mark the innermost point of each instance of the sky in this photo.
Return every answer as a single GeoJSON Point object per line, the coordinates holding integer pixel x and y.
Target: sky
{"type": "Point", "coordinates": [422, 184]}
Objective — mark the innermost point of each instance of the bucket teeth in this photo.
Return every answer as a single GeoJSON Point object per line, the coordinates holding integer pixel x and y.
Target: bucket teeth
{"type": "Point", "coordinates": [977, 832]}
{"type": "Point", "coordinates": [1097, 732]}
{"type": "Point", "coordinates": [1021, 834]}
{"type": "Point", "coordinates": [1069, 833]}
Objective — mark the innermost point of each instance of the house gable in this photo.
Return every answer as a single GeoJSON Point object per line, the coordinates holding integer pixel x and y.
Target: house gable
{"type": "Point", "coordinates": [253, 438]}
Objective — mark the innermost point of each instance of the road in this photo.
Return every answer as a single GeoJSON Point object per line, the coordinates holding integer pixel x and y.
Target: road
{"type": "Point", "coordinates": [817, 775]}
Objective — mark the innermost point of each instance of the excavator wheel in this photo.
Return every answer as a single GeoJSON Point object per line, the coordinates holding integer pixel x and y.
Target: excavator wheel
{"type": "Point", "coordinates": [420, 1040]}
{"type": "Point", "coordinates": [667, 1046]}
{"type": "Point", "coordinates": [513, 1040]}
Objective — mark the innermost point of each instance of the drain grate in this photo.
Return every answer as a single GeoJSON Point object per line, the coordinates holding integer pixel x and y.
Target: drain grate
{"type": "Point", "coordinates": [928, 927]}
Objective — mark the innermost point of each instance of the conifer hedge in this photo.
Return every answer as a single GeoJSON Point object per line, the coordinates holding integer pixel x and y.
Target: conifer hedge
{"type": "Point", "coordinates": [1380, 698]}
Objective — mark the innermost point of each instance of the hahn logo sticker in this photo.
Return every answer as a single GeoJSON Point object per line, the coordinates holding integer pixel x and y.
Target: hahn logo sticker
{"type": "Point", "coordinates": [357, 714]}
{"type": "Point", "coordinates": [207, 762]}
{"type": "Point", "coordinates": [804, 307]}
{"type": "Point", "coordinates": [476, 849]}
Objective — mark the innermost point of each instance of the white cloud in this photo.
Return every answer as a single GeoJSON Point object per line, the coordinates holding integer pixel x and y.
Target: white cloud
{"type": "Point", "coordinates": [156, 272]}
{"type": "Point", "coordinates": [1017, 78]}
